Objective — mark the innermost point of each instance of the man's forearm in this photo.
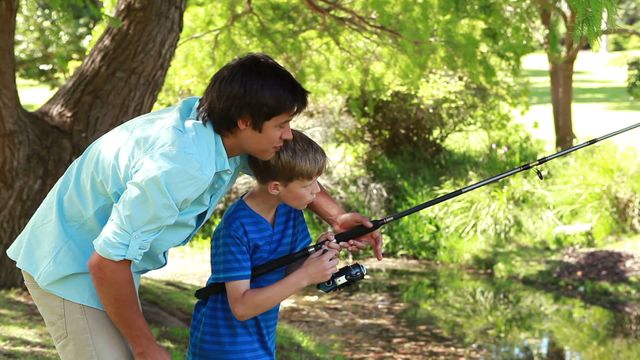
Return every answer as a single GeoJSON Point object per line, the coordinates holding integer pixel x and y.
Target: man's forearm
{"type": "Point", "coordinates": [114, 283]}
{"type": "Point", "coordinates": [326, 207]}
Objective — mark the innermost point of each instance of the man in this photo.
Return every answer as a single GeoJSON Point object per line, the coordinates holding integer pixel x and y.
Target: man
{"type": "Point", "coordinates": [143, 188]}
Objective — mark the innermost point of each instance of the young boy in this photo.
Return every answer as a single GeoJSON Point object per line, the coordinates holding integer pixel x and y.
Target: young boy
{"type": "Point", "coordinates": [262, 225]}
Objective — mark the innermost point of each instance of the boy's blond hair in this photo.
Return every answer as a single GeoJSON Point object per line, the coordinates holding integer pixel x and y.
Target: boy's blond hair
{"type": "Point", "coordinates": [299, 159]}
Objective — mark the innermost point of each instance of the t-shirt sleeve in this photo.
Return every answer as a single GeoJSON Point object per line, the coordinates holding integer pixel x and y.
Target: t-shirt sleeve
{"type": "Point", "coordinates": [230, 256]}
{"type": "Point", "coordinates": [161, 185]}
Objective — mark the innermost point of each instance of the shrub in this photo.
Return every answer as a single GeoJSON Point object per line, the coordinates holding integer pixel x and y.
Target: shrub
{"type": "Point", "coordinates": [633, 78]}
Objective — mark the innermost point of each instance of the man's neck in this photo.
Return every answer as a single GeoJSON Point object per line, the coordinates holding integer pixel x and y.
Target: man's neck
{"type": "Point", "coordinates": [262, 202]}
{"type": "Point", "coordinates": [232, 145]}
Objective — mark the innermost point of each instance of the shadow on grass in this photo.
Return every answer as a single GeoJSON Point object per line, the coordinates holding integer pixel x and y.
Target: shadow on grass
{"type": "Point", "coordinates": [23, 334]}
{"type": "Point", "coordinates": [616, 97]}
{"type": "Point", "coordinates": [532, 73]}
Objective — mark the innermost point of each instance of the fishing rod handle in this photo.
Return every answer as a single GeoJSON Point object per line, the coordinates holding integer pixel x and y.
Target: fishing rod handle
{"type": "Point", "coordinates": [358, 231]}
{"type": "Point", "coordinates": [216, 288]}
{"type": "Point", "coordinates": [284, 260]}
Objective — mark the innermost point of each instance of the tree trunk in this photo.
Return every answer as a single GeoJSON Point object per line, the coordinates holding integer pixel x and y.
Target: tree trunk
{"type": "Point", "coordinates": [119, 80]}
{"type": "Point", "coordinates": [565, 135]}
{"type": "Point", "coordinates": [561, 76]}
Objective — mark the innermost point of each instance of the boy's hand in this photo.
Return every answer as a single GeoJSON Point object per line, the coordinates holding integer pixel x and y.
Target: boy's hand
{"type": "Point", "coordinates": [319, 266]}
{"type": "Point", "coordinates": [346, 221]}
{"type": "Point", "coordinates": [331, 243]}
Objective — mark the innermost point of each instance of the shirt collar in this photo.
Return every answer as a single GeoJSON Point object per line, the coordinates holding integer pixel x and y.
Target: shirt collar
{"type": "Point", "coordinates": [221, 160]}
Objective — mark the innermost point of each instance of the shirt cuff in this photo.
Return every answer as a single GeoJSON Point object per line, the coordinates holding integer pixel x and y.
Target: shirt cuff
{"type": "Point", "coordinates": [116, 244]}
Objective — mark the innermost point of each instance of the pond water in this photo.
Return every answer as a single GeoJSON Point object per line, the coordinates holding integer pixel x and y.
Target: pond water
{"type": "Point", "coordinates": [502, 319]}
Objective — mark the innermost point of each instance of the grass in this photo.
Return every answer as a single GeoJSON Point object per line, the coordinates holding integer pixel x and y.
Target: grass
{"type": "Point", "coordinates": [23, 334]}
{"type": "Point", "coordinates": [22, 331]}
{"type": "Point", "coordinates": [32, 94]}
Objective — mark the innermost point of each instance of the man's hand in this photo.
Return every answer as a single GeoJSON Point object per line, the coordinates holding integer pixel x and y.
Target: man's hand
{"type": "Point", "coordinates": [346, 221]}
{"type": "Point", "coordinates": [154, 352]}
{"type": "Point", "coordinates": [332, 213]}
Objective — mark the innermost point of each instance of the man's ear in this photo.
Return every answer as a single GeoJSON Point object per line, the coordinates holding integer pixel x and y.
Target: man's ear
{"type": "Point", "coordinates": [244, 122]}
{"type": "Point", "coordinates": [274, 187]}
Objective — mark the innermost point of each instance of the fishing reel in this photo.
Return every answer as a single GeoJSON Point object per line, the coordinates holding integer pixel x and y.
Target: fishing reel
{"type": "Point", "coordinates": [344, 277]}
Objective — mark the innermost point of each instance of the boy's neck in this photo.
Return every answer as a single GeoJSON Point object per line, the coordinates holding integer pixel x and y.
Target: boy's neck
{"type": "Point", "coordinates": [262, 202]}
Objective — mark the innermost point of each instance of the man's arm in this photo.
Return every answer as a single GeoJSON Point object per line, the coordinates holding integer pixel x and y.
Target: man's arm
{"type": "Point", "coordinates": [330, 211]}
{"type": "Point", "coordinates": [245, 303]}
{"type": "Point", "coordinates": [114, 282]}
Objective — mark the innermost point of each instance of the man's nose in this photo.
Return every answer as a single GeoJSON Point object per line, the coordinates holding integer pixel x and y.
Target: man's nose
{"type": "Point", "coordinates": [286, 134]}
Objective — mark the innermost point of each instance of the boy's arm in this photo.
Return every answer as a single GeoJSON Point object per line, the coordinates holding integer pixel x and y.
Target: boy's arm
{"type": "Point", "coordinates": [330, 211]}
{"type": "Point", "coordinates": [246, 303]}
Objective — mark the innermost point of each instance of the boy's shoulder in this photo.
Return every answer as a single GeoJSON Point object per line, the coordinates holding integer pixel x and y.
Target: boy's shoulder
{"type": "Point", "coordinates": [239, 215]}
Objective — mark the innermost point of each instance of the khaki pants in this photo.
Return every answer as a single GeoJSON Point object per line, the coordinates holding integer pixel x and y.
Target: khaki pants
{"type": "Point", "coordinates": [78, 331]}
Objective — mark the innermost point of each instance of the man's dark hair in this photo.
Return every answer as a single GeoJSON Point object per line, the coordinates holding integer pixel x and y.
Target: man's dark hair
{"type": "Point", "coordinates": [254, 85]}
{"type": "Point", "coordinates": [299, 159]}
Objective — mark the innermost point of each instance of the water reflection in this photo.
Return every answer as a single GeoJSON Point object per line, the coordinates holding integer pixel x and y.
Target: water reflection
{"type": "Point", "coordinates": [501, 319]}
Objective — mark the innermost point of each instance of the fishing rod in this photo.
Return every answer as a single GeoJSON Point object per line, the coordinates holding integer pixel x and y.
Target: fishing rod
{"type": "Point", "coordinates": [352, 273]}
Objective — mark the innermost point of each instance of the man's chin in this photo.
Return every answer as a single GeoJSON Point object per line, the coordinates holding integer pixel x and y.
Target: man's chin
{"type": "Point", "coordinates": [266, 157]}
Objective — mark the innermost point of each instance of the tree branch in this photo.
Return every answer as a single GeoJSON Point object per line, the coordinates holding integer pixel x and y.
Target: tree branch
{"type": "Point", "coordinates": [621, 31]}
{"type": "Point", "coordinates": [355, 21]}
{"type": "Point", "coordinates": [232, 20]}
{"type": "Point", "coordinates": [552, 7]}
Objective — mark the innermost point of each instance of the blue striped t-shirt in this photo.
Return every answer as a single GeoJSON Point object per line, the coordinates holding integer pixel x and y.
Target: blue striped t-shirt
{"type": "Point", "coordinates": [243, 240]}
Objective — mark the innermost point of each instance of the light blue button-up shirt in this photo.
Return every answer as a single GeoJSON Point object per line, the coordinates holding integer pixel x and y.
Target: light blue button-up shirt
{"type": "Point", "coordinates": [136, 192]}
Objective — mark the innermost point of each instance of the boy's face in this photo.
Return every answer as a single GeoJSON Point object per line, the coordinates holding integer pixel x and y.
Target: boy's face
{"type": "Point", "coordinates": [299, 193]}
{"type": "Point", "coordinates": [264, 144]}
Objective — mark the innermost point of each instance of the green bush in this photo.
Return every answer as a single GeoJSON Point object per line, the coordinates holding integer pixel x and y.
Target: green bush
{"type": "Point", "coordinates": [619, 42]}
{"type": "Point", "coordinates": [633, 78]}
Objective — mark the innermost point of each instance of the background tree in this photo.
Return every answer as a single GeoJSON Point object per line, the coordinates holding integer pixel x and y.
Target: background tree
{"type": "Point", "coordinates": [343, 48]}
{"type": "Point", "coordinates": [568, 26]}
{"type": "Point", "coordinates": [119, 79]}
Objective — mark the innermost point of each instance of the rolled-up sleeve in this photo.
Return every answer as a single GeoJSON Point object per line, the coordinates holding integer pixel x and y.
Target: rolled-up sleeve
{"type": "Point", "coordinates": [161, 185]}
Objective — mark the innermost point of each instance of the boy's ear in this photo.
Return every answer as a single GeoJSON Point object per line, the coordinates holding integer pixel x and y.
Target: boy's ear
{"type": "Point", "coordinates": [274, 187]}
{"type": "Point", "coordinates": [244, 122]}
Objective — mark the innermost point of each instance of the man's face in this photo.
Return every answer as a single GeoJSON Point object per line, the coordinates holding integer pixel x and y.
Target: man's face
{"type": "Point", "coordinates": [299, 193]}
{"type": "Point", "coordinates": [275, 131]}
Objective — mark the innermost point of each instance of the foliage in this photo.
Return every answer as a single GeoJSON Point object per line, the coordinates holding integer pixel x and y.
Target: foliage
{"type": "Point", "coordinates": [633, 78]}
{"type": "Point", "coordinates": [620, 42]}
{"type": "Point", "coordinates": [52, 36]}
{"type": "Point", "coordinates": [350, 48]}
{"type": "Point", "coordinates": [405, 125]}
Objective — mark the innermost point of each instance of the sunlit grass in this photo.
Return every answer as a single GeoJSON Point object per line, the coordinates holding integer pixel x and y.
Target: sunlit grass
{"type": "Point", "coordinates": [33, 94]}
{"type": "Point", "coordinates": [22, 331]}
